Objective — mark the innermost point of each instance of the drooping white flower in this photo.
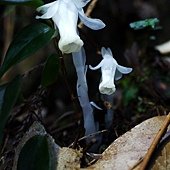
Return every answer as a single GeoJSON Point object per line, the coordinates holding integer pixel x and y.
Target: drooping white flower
{"type": "Point", "coordinates": [111, 71]}
{"type": "Point", "coordinates": [65, 15]}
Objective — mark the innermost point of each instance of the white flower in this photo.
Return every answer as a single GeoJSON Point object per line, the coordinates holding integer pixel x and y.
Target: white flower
{"type": "Point", "coordinates": [110, 70]}
{"type": "Point", "coordinates": [65, 15]}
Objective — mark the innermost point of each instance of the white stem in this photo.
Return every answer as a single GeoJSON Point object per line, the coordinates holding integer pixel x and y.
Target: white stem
{"type": "Point", "coordinates": [79, 59]}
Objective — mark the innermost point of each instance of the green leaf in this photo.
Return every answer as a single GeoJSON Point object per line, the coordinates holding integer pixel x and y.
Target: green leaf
{"type": "Point", "coordinates": [130, 90]}
{"type": "Point", "coordinates": [27, 42]}
{"type": "Point", "coordinates": [35, 155]}
{"type": "Point", "coordinates": [51, 69]}
{"type": "Point", "coordinates": [152, 22]}
{"type": "Point", "coordinates": [35, 3]}
{"type": "Point", "coordinates": [130, 94]}
{"type": "Point", "coordinates": [8, 95]}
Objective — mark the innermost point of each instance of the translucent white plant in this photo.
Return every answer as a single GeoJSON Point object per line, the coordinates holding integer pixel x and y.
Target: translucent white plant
{"type": "Point", "coordinates": [111, 71]}
{"type": "Point", "coordinates": [79, 59]}
{"type": "Point", "coordinates": [64, 14]}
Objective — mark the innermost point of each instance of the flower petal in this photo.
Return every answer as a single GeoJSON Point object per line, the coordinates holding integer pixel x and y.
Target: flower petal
{"type": "Point", "coordinates": [107, 88]}
{"type": "Point", "coordinates": [70, 44]}
{"type": "Point", "coordinates": [118, 75]}
{"type": "Point", "coordinates": [80, 3]}
{"type": "Point", "coordinates": [124, 70]}
{"type": "Point", "coordinates": [97, 67]}
{"type": "Point", "coordinates": [94, 24]}
{"type": "Point", "coordinates": [45, 7]}
{"type": "Point", "coordinates": [103, 51]}
{"type": "Point", "coordinates": [95, 105]}
{"type": "Point", "coordinates": [109, 51]}
{"type": "Point", "coordinates": [48, 10]}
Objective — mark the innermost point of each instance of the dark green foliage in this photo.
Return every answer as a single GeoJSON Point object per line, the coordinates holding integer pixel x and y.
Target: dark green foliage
{"type": "Point", "coordinates": [27, 42]}
{"type": "Point", "coordinates": [130, 91]}
{"type": "Point", "coordinates": [8, 96]}
{"type": "Point", "coordinates": [34, 3]}
{"type": "Point", "coordinates": [35, 155]}
{"type": "Point", "coordinates": [50, 71]}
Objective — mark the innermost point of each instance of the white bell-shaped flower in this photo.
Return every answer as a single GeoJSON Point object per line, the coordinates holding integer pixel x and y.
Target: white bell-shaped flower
{"type": "Point", "coordinates": [64, 14]}
{"type": "Point", "coordinates": [111, 71]}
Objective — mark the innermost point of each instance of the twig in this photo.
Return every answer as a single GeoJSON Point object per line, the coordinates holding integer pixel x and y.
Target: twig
{"type": "Point", "coordinates": [91, 135]}
{"type": "Point", "coordinates": [137, 163]}
{"type": "Point", "coordinates": [89, 10]}
{"type": "Point", "coordinates": [94, 156]}
{"type": "Point", "coordinates": [155, 142]}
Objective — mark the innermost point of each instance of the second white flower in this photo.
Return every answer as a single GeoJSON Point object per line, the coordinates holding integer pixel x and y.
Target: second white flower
{"type": "Point", "coordinates": [111, 71]}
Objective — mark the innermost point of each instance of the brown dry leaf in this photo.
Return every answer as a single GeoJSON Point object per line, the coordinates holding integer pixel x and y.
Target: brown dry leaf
{"type": "Point", "coordinates": [162, 162]}
{"type": "Point", "coordinates": [123, 154]}
{"type": "Point", "coordinates": [69, 159]}
{"type": "Point", "coordinates": [127, 151]}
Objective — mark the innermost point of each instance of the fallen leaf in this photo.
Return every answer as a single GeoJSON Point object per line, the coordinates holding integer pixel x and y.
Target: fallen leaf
{"type": "Point", "coordinates": [163, 160]}
{"type": "Point", "coordinates": [124, 153]}
{"type": "Point", "coordinates": [69, 159]}
{"type": "Point", "coordinates": [129, 149]}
